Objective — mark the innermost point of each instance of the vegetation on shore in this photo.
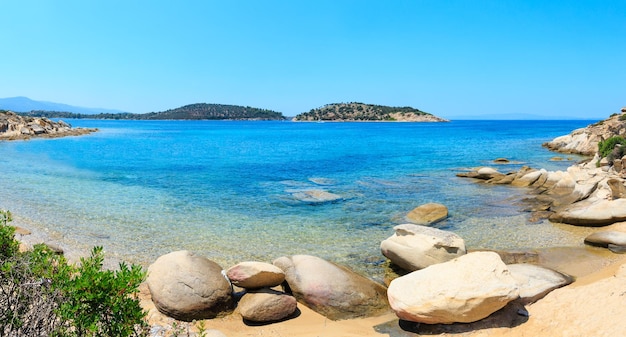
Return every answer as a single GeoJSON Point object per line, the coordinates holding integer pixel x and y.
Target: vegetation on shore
{"type": "Point", "coordinates": [198, 111]}
{"type": "Point", "coordinates": [365, 112]}
{"type": "Point", "coordinates": [41, 294]}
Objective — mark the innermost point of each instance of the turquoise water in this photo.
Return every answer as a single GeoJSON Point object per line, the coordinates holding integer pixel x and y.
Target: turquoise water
{"type": "Point", "coordinates": [229, 190]}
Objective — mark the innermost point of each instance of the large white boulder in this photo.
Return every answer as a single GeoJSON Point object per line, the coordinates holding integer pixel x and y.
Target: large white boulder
{"type": "Point", "coordinates": [414, 247]}
{"type": "Point", "coordinates": [466, 289]}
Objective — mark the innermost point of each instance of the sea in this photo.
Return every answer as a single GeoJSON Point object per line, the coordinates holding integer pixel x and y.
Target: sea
{"type": "Point", "coordinates": [233, 190]}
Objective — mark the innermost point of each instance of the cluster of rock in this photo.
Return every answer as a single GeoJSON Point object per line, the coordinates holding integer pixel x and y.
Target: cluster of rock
{"type": "Point", "coordinates": [448, 285]}
{"type": "Point", "coordinates": [188, 287]}
{"type": "Point", "coordinates": [443, 283]}
{"type": "Point", "coordinates": [13, 126]}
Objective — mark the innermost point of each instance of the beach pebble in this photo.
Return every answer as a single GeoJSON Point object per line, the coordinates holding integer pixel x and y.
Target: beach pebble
{"type": "Point", "coordinates": [186, 286]}
{"type": "Point", "coordinates": [464, 290]}
{"type": "Point", "coordinates": [414, 247]}
{"type": "Point", "coordinates": [266, 305]}
{"type": "Point", "coordinates": [251, 275]}
{"type": "Point", "coordinates": [428, 214]}
{"type": "Point", "coordinates": [535, 282]}
{"type": "Point", "coordinates": [331, 290]}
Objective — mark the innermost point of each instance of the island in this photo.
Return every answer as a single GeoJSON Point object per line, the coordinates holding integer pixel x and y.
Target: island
{"type": "Point", "coordinates": [197, 111]}
{"type": "Point", "coordinates": [361, 112]}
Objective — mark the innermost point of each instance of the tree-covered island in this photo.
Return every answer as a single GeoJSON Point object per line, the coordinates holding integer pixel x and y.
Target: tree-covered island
{"type": "Point", "coordinates": [348, 112]}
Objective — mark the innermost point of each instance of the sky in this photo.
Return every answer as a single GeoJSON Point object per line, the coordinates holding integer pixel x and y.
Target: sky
{"type": "Point", "coordinates": [447, 57]}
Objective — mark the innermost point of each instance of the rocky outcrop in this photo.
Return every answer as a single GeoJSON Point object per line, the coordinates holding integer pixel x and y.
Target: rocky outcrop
{"type": "Point", "coordinates": [585, 140]}
{"type": "Point", "coordinates": [331, 290]}
{"type": "Point", "coordinates": [464, 290]}
{"type": "Point", "coordinates": [13, 126]}
{"type": "Point", "coordinates": [414, 247]}
{"type": "Point", "coordinates": [585, 194]}
{"type": "Point", "coordinates": [187, 287]}
{"type": "Point", "coordinates": [427, 214]}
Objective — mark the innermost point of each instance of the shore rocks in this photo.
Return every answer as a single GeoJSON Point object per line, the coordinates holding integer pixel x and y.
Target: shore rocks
{"type": "Point", "coordinates": [13, 126]}
{"type": "Point", "coordinates": [592, 212]}
{"type": "Point", "coordinates": [414, 247]}
{"type": "Point", "coordinates": [253, 275]}
{"type": "Point", "coordinates": [428, 214]}
{"type": "Point", "coordinates": [331, 290]}
{"type": "Point", "coordinates": [535, 282]}
{"type": "Point", "coordinates": [266, 305]}
{"type": "Point", "coordinates": [187, 287]}
{"type": "Point", "coordinates": [466, 289]}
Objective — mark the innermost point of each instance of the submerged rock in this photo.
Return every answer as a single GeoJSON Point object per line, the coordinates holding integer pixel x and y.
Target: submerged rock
{"type": "Point", "coordinates": [316, 196]}
{"type": "Point", "coordinates": [428, 214]}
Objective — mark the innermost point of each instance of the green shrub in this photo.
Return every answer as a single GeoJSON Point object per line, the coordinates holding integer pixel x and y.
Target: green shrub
{"type": "Point", "coordinates": [605, 147]}
{"type": "Point", "coordinates": [622, 117]}
{"type": "Point", "coordinates": [8, 245]}
{"type": "Point", "coordinates": [41, 294]}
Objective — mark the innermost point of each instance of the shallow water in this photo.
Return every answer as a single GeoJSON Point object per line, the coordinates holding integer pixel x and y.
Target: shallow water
{"type": "Point", "coordinates": [229, 190]}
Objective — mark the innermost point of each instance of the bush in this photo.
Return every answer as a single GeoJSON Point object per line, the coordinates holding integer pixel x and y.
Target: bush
{"type": "Point", "coordinates": [41, 294]}
{"type": "Point", "coordinates": [606, 147]}
{"type": "Point", "coordinates": [622, 117]}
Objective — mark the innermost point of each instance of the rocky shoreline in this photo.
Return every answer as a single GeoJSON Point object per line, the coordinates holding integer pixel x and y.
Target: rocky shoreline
{"type": "Point", "coordinates": [16, 127]}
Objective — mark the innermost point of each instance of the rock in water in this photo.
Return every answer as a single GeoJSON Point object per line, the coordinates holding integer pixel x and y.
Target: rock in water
{"type": "Point", "coordinates": [186, 286]}
{"type": "Point", "coordinates": [415, 247]}
{"type": "Point", "coordinates": [331, 290]}
{"type": "Point", "coordinates": [428, 213]}
{"type": "Point", "coordinates": [464, 290]}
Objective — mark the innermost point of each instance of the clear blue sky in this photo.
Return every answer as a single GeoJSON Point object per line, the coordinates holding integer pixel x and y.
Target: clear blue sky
{"type": "Point", "coordinates": [450, 58]}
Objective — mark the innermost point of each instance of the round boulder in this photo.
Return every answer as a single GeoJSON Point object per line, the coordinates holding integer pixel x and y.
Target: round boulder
{"type": "Point", "coordinates": [331, 290]}
{"type": "Point", "coordinates": [466, 289]}
{"type": "Point", "coordinates": [187, 287]}
{"type": "Point", "coordinates": [414, 247]}
{"type": "Point", "coordinates": [253, 275]}
{"type": "Point", "coordinates": [428, 213]}
{"type": "Point", "coordinates": [266, 305]}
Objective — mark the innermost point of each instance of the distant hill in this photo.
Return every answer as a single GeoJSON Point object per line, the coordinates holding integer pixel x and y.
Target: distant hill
{"type": "Point", "coordinates": [25, 104]}
{"type": "Point", "coordinates": [216, 112]}
{"type": "Point", "coordinates": [198, 111]}
{"type": "Point", "coordinates": [366, 112]}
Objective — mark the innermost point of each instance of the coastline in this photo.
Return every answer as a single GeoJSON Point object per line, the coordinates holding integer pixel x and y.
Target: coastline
{"type": "Point", "coordinates": [590, 268]}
